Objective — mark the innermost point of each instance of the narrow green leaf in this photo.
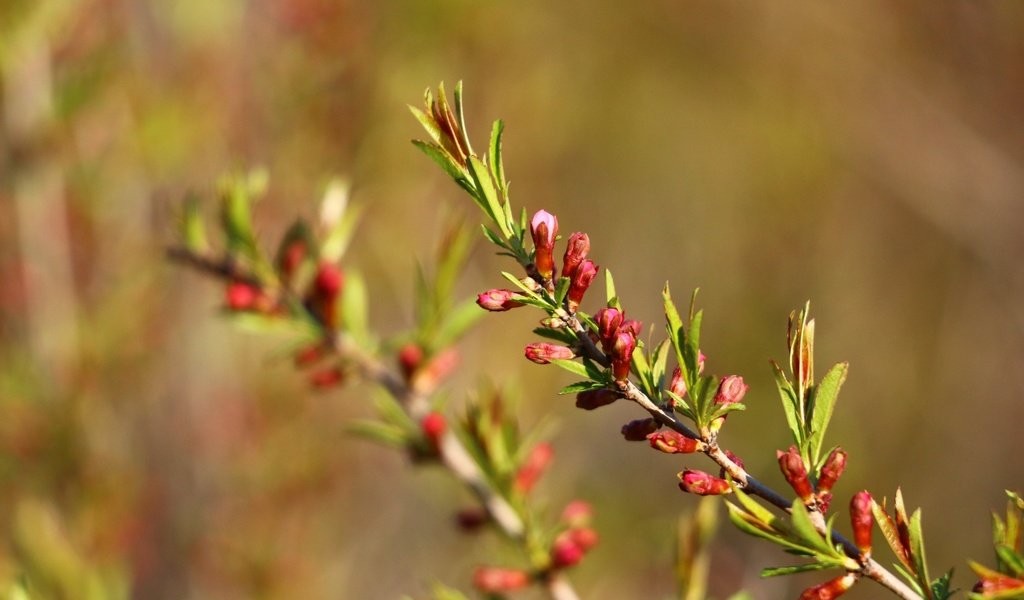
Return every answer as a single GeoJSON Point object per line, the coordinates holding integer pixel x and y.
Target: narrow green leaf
{"type": "Point", "coordinates": [561, 289]}
{"type": "Point", "coordinates": [522, 287]}
{"type": "Point", "coordinates": [674, 326]}
{"type": "Point", "coordinates": [447, 162]}
{"type": "Point", "coordinates": [428, 123]}
{"type": "Point", "coordinates": [823, 401]}
{"type": "Point", "coordinates": [495, 239]}
{"type": "Point", "coordinates": [355, 307]}
{"type": "Point", "coordinates": [917, 550]}
{"type": "Point", "coordinates": [789, 404]}
{"type": "Point", "coordinates": [572, 366]}
{"type": "Point", "coordinates": [609, 286]}
{"type": "Point", "coordinates": [457, 322]}
{"type": "Point", "coordinates": [561, 335]}
{"type": "Point", "coordinates": [801, 521]}
{"type": "Point", "coordinates": [941, 586]}
{"type": "Point", "coordinates": [1010, 560]}
{"type": "Point", "coordinates": [461, 117]}
{"type": "Point", "coordinates": [580, 386]}
{"type": "Point", "coordinates": [776, 571]}
{"type": "Point", "coordinates": [489, 195]}
{"type": "Point", "coordinates": [193, 230]}
{"type": "Point", "coordinates": [497, 166]}
{"type": "Point", "coordinates": [379, 432]}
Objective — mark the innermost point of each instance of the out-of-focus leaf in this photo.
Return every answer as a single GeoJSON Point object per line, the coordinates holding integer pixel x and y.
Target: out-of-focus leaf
{"type": "Point", "coordinates": [377, 431]}
{"type": "Point", "coordinates": [459, 320]}
{"type": "Point", "coordinates": [355, 305]}
{"type": "Point", "coordinates": [193, 230]}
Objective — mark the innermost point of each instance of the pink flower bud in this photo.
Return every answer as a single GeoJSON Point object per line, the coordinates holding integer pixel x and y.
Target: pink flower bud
{"type": "Point", "coordinates": [433, 426]}
{"type": "Point", "coordinates": [410, 356]}
{"type": "Point", "coordinates": [832, 470]}
{"type": "Point", "coordinates": [677, 385]}
{"type": "Point", "coordinates": [731, 390]}
{"type": "Point", "coordinates": [638, 430]}
{"type": "Point", "coordinates": [291, 258]}
{"type": "Point", "coordinates": [544, 228]}
{"type": "Point", "coordinates": [862, 520]}
{"type": "Point", "coordinates": [700, 362]}
{"type": "Point", "coordinates": [533, 467]}
{"type": "Point", "coordinates": [326, 378]}
{"type": "Point", "coordinates": [495, 580]}
{"type": "Point", "coordinates": [575, 251]}
{"type": "Point", "coordinates": [793, 469]}
{"type": "Point", "coordinates": [565, 552]}
{"type": "Point", "coordinates": [581, 280]}
{"type": "Point", "coordinates": [577, 513]}
{"type": "Point", "coordinates": [993, 585]}
{"type": "Point", "coordinates": [498, 300]}
{"type": "Point", "coordinates": [241, 296]}
{"type": "Point", "coordinates": [633, 326]}
{"type": "Point", "coordinates": [585, 537]}
{"type": "Point", "coordinates": [543, 353]}
{"type": "Point", "coordinates": [702, 484]}
{"type": "Point", "coordinates": [329, 280]}
{"type": "Point", "coordinates": [622, 354]}
{"type": "Point", "coordinates": [437, 369]}
{"type": "Point", "coordinates": [591, 399]}
{"type": "Point", "coordinates": [608, 321]}
{"type": "Point", "coordinates": [673, 442]}
{"type": "Point", "coordinates": [830, 589]}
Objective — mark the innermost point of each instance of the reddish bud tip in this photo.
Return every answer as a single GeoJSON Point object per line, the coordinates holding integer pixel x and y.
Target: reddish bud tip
{"type": "Point", "coordinates": [241, 296]}
{"type": "Point", "coordinates": [410, 356]}
{"type": "Point", "coordinates": [329, 280]}
{"type": "Point", "coordinates": [638, 430]}
{"type": "Point", "coordinates": [622, 354]}
{"type": "Point", "coordinates": [591, 399]}
{"type": "Point", "coordinates": [576, 250]}
{"type": "Point", "coordinates": [441, 365]}
{"type": "Point", "coordinates": [310, 355]}
{"type": "Point", "coordinates": [608, 321]}
{"type": "Point", "coordinates": [581, 281]}
{"type": "Point", "coordinates": [677, 385]}
{"type": "Point", "coordinates": [833, 468]}
{"type": "Point", "coordinates": [433, 426]}
{"type": "Point", "coordinates": [633, 326]}
{"type": "Point", "coordinates": [700, 362]}
{"type": "Point", "coordinates": [862, 521]}
{"type": "Point", "coordinates": [544, 228]}
{"type": "Point", "coordinates": [702, 484]}
{"type": "Point", "coordinates": [830, 589]}
{"type": "Point", "coordinates": [291, 258]}
{"type": "Point", "coordinates": [326, 378]}
{"type": "Point", "coordinates": [585, 537]}
{"type": "Point", "coordinates": [565, 552]}
{"type": "Point", "coordinates": [577, 513]}
{"type": "Point", "coordinates": [793, 469]}
{"type": "Point", "coordinates": [543, 353]}
{"type": "Point", "coordinates": [673, 442]}
{"type": "Point", "coordinates": [731, 390]}
{"type": "Point", "coordinates": [495, 580]}
{"type": "Point", "coordinates": [497, 300]}
{"type": "Point", "coordinates": [533, 467]}
{"type": "Point", "coordinates": [995, 585]}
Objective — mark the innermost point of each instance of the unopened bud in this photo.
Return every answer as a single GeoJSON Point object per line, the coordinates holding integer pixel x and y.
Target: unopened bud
{"type": "Point", "coordinates": [533, 467]}
{"type": "Point", "coordinates": [291, 258]}
{"type": "Point", "coordinates": [329, 280]}
{"type": "Point", "coordinates": [544, 228]}
{"type": "Point", "coordinates": [543, 353]}
{"type": "Point", "coordinates": [992, 586]}
{"type": "Point", "coordinates": [433, 426]}
{"type": "Point", "coordinates": [437, 369]}
{"type": "Point", "coordinates": [673, 442]}
{"type": "Point", "coordinates": [498, 300]}
{"type": "Point", "coordinates": [702, 484]}
{"type": "Point", "coordinates": [241, 296]}
{"type": "Point", "coordinates": [608, 321]}
{"type": "Point", "coordinates": [731, 390]}
{"type": "Point", "coordinates": [638, 430]}
{"type": "Point", "coordinates": [577, 513]}
{"type": "Point", "coordinates": [622, 354]}
{"type": "Point", "coordinates": [581, 280]}
{"type": "Point", "coordinates": [591, 399]}
{"type": "Point", "coordinates": [633, 326]}
{"type": "Point", "coordinates": [585, 537]}
{"type": "Point", "coordinates": [571, 546]}
{"type": "Point", "coordinates": [576, 250]}
{"type": "Point", "coordinates": [326, 378]}
{"type": "Point", "coordinates": [795, 472]}
{"type": "Point", "coordinates": [833, 468]}
{"type": "Point", "coordinates": [495, 580]}
{"type": "Point", "coordinates": [410, 356]}
{"type": "Point", "coordinates": [677, 385]}
{"type": "Point", "coordinates": [862, 520]}
{"type": "Point", "coordinates": [310, 355]}
{"type": "Point", "coordinates": [830, 589]}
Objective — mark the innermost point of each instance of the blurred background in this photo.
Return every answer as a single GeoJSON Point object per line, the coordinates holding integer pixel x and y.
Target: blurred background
{"type": "Point", "coordinates": [867, 156]}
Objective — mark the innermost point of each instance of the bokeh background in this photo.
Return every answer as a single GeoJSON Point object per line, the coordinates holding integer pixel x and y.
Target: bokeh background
{"type": "Point", "coordinates": [867, 156]}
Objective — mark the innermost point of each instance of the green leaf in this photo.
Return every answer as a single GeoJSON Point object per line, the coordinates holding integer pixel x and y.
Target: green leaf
{"type": "Point", "coordinates": [917, 550]}
{"type": "Point", "coordinates": [801, 520]}
{"type": "Point", "coordinates": [776, 571]}
{"type": "Point", "coordinates": [489, 200]}
{"type": "Point", "coordinates": [940, 587]}
{"type": "Point", "coordinates": [497, 166]}
{"type": "Point", "coordinates": [561, 289]}
{"type": "Point", "coordinates": [458, 321]}
{"type": "Point", "coordinates": [609, 286]}
{"type": "Point", "coordinates": [560, 335]}
{"type": "Point", "coordinates": [674, 326]}
{"type": "Point", "coordinates": [495, 239]}
{"type": "Point", "coordinates": [1010, 560]}
{"type": "Point", "coordinates": [823, 401]}
{"type": "Point", "coordinates": [447, 162]}
{"type": "Point", "coordinates": [428, 123]}
{"type": "Point", "coordinates": [888, 528]}
{"type": "Point", "coordinates": [379, 432]}
{"type": "Point", "coordinates": [581, 386]}
{"type": "Point", "coordinates": [355, 304]}
{"type": "Point", "coordinates": [789, 404]}
{"type": "Point", "coordinates": [236, 216]}
{"type": "Point", "coordinates": [193, 230]}
{"type": "Point", "coordinates": [522, 287]}
{"type": "Point", "coordinates": [461, 118]}
{"type": "Point", "coordinates": [741, 596]}
{"type": "Point", "coordinates": [572, 366]}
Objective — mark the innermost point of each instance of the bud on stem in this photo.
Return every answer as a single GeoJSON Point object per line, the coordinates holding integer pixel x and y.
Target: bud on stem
{"type": "Point", "coordinates": [544, 229]}
{"type": "Point", "coordinates": [622, 354]}
{"type": "Point", "coordinates": [833, 468]}
{"type": "Point", "coordinates": [793, 469]}
{"type": "Point", "coordinates": [575, 251]}
{"type": "Point", "coordinates": [543, 353]}
{"type": "Point", "coordinates": [830, 589]}
{"type": "Point", "coordinates": [673, 442]}
{"type": "Point", "coordinates": [581, 280]}
{"type": "Point", "coordinates": [702, 484]}
{"type": "Point", "coordinates": [495, 580]}
{"type": "Point", "coordinates": [862, 521]}
{"type": "Point", "coordinates": [498, 300]}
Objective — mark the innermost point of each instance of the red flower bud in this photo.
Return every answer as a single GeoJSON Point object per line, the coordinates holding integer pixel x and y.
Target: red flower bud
{"type": "Point", "coordinates": [994, 585]}
{"type": "Point", "coordinates": [633, 326]}
{"type": "Point", "coordinates": [677, 385]}
{"type": "Point", "coordinates": [581, 280]}
{"type": "Point", "coordinates": [291, 258]}
{"type": "Point", "coordinates": [832, 470]}
{"type": "Point", "coordinates": [543, 353]}
{"type": "Point", "coordinates": [830, 589]}
{"type": "Point", "coordinates": [544, 228]}
{"type": "Point", "coordinates": [591, 399]}
{"type": "Point", "coordinates": [638, 430]}
{"type": "Point", "coordinates": [673, 442]}
{"type": "Point", "coordinates": [608, 321]}
{"type": "Point", "coordinates": [440, 366]}
{"type": "Point", "coordinates": [577, 513]}
{"type": "Point", "coordinates": [241, 296]}
{"type": "Point", "coordinates": [533, 467]}
{"type": "Point", "coordinates": [498, 300]}
{"type": "Point", "coordinates": [700, 362]}
{"type": "Point", "coordinates": [575, 251]}
{"type": "Point", "coordinates": [410, 356]}
{"type": "Point", "coordinates": [433, 426]}
{"type": "Point", "coordinates": [329, 280]}
{"type": "Point", "coordinates": [702, 484]}
{"type": "Point", "coordinates": [622, 354]}
{"type": "Point", "coordinates": [862, 520]}
{"type": "Point", "coordinates": [310, 355]}
{"type": "Point", "coordinates": [565, 552]}
{"type": "Point", "coordinates": [824, 501]}
{"type": "Point", "coordinates": [495, 580]}
{"type": "Point", "coordinates": [731, 390]}
{"type": "Point", "coordinates": [793, 469]}
{"type": "Point", "coordinates": [326, 378]}
{"type": "Point", "coordinates": [585, 537]}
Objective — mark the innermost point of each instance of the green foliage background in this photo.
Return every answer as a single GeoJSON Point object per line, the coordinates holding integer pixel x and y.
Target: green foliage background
{"type": "Point", "coordinates": [867, 156]}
